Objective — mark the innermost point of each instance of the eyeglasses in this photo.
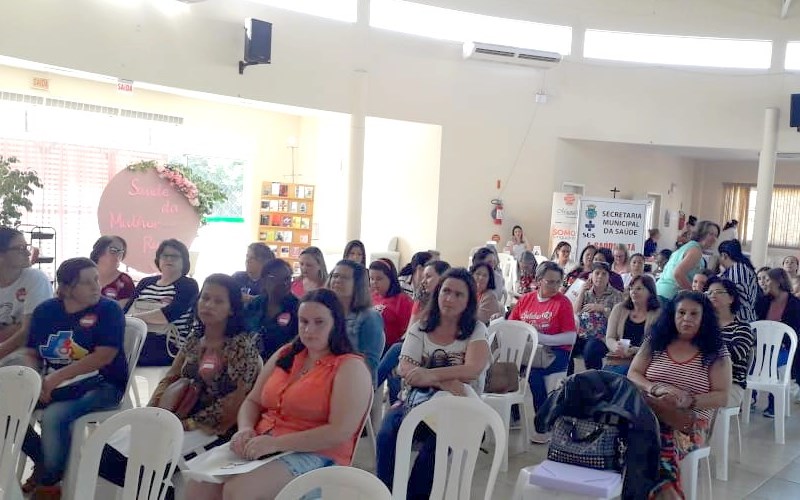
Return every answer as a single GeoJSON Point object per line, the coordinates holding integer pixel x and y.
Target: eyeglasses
{"type": "Point", "coordinates": [551, 282]}
{"type": "Point", "coordinates": [116, 251]}
{"type": "Point", "coordinates": [170, 256]}
{"type": "Point", "coordinates": [20, 249]}
{"type": "Point", "coordinates": [711, 293]}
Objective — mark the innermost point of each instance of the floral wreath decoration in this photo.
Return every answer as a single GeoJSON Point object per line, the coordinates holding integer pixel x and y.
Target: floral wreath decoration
{"type": "Point", "coordinates": [201, 194]}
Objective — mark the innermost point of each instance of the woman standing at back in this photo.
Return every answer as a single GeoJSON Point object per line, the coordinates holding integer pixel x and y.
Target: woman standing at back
{"type": "Point", "coordinates": [687, 261]}
{"type": "Point", "coordinates": [738, 269]}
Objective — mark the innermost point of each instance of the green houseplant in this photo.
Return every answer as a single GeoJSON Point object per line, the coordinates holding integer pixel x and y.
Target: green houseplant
{"type": "Point", "coordinates": [16, 186]}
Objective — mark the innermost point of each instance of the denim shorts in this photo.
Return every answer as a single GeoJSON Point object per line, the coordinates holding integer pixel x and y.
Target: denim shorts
{"type": "Point", "coordinates": [299, 463]}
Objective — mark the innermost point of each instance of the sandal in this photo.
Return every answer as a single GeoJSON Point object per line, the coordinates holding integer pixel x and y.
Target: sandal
{"type": "Point", "coordinates": [30, 485]}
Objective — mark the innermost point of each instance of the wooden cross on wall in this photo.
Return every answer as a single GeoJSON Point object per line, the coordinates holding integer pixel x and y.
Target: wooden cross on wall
{"type": "Point", "coordinates": [615, 191]}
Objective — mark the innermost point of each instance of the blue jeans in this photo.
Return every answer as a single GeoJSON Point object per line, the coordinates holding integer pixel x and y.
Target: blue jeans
{"type": "Point", "coordinates": [50, 451]}
{"type": "Point", "coordinates": [390, 360]}
{"type": "Point", "coordinates": [420, 483]}
{"type": "Point", "coordinates": [593, 353]}
{"type": "Point", "coordinates": [620, 369]}
{"type": "Point", "coordinates": [536, 379]}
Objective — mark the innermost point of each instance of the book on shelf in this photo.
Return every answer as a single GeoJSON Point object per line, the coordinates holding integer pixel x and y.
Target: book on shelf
{"type": "Point", "coordinates": [286, 221]}
{"type": "Point", "coordinates": [264, 204]}
{"type": "Point", "coordinates": [294, 252]}
{"type": "Point", "coordinates": [305, 223]}
{"type": "Point", "coordinates": [296, 222]}
{"type": "Point", "coordinates": [275, 220]}
{"type": "Point", "coordinates": [309, 192]}
{"type": "Point", "coordinates": [287, 236]}
{"type": "Point", "coordinates": [264, 220]}
{"type": "Point", "coordinates": [284, 190]}
{"type": "Point", "coordinates": [302, 208]}
{"type": "Point", "coordinates": [293, 207]}
{"type": "Point", "coordinates": [262, 236]}
{"type": "Point", "coordinates": [284, 251]}
{"type": "Point", "coordinates": [276, 188]}
{"type": "Point", "coordinates": [303, 238]}
{"type": "Point", "coordinates": [299, 192]}
{"type": "Point", "coordinates": [274, 248]}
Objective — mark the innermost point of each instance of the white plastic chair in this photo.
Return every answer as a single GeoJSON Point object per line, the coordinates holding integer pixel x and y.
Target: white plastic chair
{"type": "Point", "coordinates": [690, 465]}
{"type": "Point", "coordinates": [156, 440]}
{"type": "Point", "coordinates": [336, 483]}
{"type": "Point", "coordinates": [135, 333]}
{"type": "Point", "coordinates": [556, 480]}
{"type": "Point", "coordinates": [553, 381]}
{"type": "Point", "coordinates": [765, 375]}
{"type": "Point", "coordinates": [512, 337]}
{"type": "Point", "coordinates": [20, 387]}
{"type": "Point", "coordinates": [467, 419]}
{"type": "Point", "coordinates": [720, 440]}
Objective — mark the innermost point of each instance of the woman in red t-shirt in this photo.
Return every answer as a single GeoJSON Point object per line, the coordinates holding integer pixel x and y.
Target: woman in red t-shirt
{"type": "Point", "coordinates": [389, 300]}
{"type": "Point", "coordinates": [108, 253]}
{"type": "Point", "coordinates": [551, 314]}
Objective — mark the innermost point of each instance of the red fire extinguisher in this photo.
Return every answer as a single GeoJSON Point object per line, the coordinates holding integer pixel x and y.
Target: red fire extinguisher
{"type": "Point", "coordinates": [497, 211]}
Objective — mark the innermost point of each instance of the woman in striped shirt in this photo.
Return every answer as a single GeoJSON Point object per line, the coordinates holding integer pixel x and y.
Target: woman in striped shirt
{"type": "Point", "coordinates": [163, 300]}
{"type": "Point", "coordinates": [739, 270]}
{"type": "Point", "coordinates": [685, 365]}
{"type": "Point", "coordinates": [737, 334]}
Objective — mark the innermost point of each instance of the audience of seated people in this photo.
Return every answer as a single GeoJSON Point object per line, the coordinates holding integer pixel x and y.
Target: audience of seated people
{"type": "Point", "coordinates": [621, 264]}
{"type": "Point", "coordinates": [736, 333]}
{"type": "Point", "coordinates": [488, 305]}
{"type": "Point", "coordinates": [350, 282]}
{"type": "Point", "coordinates": [249, 280]}
{"type": "Point", "coordinates": [518, 242]}
{"type": "Point", "coordinates": [444, 352]}
{"type": "Point", "coordinates": [272, 315]}
{"type": "Point", "coordinates": [389, 300]}
{"type": "Point", "coordinates": [164, 302]}
{"type": "Point", "coordinates": [219, 357]}
{"type": "Point", "coordinates": [16, 307]}
{"type": "Point", "coordinates": [410, 276]}
{"type": "Point", "coordinates": [630, 322]}
{"type": "Point", "coordinates": [310, 400]}
{"type": "Point", "coordinates": [76, 342]}
{"type": "Point", "coordinates": [108, 253]}
{"type": "Point", "coordinates": [320, 336]}
{"type": "Point", "coordinates": [355, 251]}
{"type": "Point", "coordinates": [313, 272]}
{"type": "Point", "coordinates": [561, 255]}
{"type": "Point", "coordinates": [593, 307]}
{"type": "Point", "coordinates": [685, 371]}
{"type": "Point", "coordinates": [526, 274]}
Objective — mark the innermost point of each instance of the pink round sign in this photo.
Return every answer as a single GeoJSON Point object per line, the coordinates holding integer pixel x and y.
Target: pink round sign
{"type": "Point", "coordinates": [145, 209]}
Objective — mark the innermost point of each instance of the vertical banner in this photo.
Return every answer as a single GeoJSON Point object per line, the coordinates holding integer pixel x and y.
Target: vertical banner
{"type": "Point", "coordinates": [564, 221]}
{"type": "Point", "coordinates": [605, 222]}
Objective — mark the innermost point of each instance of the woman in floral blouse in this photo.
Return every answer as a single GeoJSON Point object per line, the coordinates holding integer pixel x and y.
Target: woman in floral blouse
{"type": "Point", "coordinates": [219, 356]}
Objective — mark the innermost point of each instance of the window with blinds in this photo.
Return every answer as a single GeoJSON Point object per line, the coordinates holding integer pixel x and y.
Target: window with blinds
{"type": "Point", "coordinates": [73, 177]}
{"type": "Point", "coordinates": [739, 202]}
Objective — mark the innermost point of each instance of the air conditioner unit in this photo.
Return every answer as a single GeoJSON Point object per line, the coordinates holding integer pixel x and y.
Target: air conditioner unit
{"type": "Point", "coordinates": [511, 55]}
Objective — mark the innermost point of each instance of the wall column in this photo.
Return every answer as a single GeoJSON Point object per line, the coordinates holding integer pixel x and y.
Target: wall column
{"type": "Point", "coordinates": [766, 182]}
{"type": "Point", "coordinates": [355, 179]}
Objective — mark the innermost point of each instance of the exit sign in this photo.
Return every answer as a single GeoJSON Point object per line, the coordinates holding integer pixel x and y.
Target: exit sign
{"type": "Point", "coordinates": [40, 83]}
{"type": "Point", "coordinates": [125, 85]}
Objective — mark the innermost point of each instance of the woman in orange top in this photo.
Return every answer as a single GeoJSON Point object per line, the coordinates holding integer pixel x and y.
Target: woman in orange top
{"type": "Point", "coordinates": [310, 399]}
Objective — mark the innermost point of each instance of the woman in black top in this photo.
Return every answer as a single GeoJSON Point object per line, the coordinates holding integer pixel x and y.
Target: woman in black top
{"type": "Point", "coordinates": [272, 316]}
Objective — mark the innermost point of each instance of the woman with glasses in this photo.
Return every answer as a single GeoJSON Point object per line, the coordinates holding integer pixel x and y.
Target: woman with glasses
{"type": "Point", "coordinates": [164, 300]}
{"type": "Point", "coordinates": [350, 282]}
{"type": "Point", "coordinates": [22, 288]}
{"type": "Point", "coordinates": [737, 334]}
{"type": "Point", "coordinates": [108, 253]}
{"type": "Point", "coordinates": [630, 323]}
{"type": "Point", "coordinates": [551, 314]}
{"type": "Point", "coordinates": [272, 316]}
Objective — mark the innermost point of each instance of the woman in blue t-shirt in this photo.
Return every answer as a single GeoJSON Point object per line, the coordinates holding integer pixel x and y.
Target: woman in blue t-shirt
{"type": "Point", "coordinates": [77, 341]}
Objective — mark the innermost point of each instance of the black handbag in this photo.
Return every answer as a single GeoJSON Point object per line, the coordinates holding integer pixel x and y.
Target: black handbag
{"type": "Point", "coordinates": [587, 443]}
{"type": "Point", "coordinates": [418, 395]}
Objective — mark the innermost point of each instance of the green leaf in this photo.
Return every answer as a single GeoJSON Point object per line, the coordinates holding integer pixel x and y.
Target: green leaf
{"type": "Point", "coordinates": [16, 187]}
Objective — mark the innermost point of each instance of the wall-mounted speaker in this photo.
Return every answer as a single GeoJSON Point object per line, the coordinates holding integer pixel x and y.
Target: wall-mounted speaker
{"type": "Point", "coordinates": [794, 112]}
{"type": "Point", "coordinates": [257, 43]}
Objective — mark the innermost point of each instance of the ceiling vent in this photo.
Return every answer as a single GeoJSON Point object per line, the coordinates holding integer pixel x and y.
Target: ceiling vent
{"type": "Point", "coordinates": [511, 55]}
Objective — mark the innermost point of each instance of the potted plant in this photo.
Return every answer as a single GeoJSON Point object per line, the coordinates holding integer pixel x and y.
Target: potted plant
{"type": "Point", "coordinates": [16, 186]}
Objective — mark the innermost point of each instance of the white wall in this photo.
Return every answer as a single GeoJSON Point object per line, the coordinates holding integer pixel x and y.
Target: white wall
{"type": "Point", "coordinates": [634, 170]}
{"type": "Point", "coordinates": [401, 185]}
{"type": "Point", "coordinates": [484, 109]}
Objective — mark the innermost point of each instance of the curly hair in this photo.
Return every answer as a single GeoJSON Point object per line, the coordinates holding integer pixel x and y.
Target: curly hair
{"type": "Point", "coordinates": [708, 339]}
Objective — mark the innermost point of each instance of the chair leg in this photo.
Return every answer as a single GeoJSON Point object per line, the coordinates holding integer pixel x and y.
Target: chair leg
{"type": "Point", "coordinates": [708, 470]}
{"type": "Point", "coordinates": [748, 397]}
{"type": "Point", "coordinates": [720, 445]}
{"type": "Point", "coordinates": [780, 417]}
{"type": "Point", "coordinates": [372, 438]}
{"type": "Point", "coordinates": [738, 437]}
{"type": "Point", "coordinates": [689, 478]}
{"type": "Point", "coordinates": [71, 472]}
{"type": "Point", "coordinates": [136, 397]}
{"type": "Point", "coordinates": [526, 428]}
{"type": "Point", "coordinates": [789, 400]}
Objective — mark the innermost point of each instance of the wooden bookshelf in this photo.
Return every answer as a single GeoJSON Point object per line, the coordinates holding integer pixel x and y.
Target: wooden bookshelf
{"type": "Point", "coordinates": [286, 218]}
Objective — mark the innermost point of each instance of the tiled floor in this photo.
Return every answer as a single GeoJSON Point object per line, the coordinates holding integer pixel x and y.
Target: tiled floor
{"type": "Point", "coordinates": [766, 471]}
